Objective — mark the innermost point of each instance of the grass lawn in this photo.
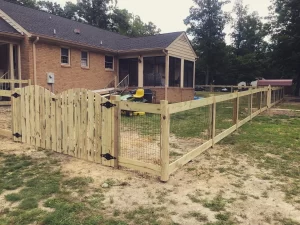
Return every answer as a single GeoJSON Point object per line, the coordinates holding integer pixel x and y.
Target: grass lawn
{"type": "Point", "coordinates": [274, 144]}
{"type": "Point", "coordinates": [249, 178]}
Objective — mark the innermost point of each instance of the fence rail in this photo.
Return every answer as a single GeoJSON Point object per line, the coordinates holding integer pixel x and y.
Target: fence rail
{"type": "Point", "coordinates": [76, 123]}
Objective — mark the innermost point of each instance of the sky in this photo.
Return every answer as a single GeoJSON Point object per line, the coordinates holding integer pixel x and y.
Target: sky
{"type": "Point", "coordinates": [168, 15]}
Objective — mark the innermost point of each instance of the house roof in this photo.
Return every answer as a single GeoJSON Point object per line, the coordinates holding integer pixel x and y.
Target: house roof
{"type": "Point", "coordinates": [5, 27]}
{"type": "Point", "coordinates": [278, 82]}
{"type": "Point", "coordinates": [42, 23]}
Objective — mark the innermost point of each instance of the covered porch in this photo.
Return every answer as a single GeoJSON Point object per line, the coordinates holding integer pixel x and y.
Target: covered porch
{"type": "Point", "coordinates": [170, 77]}
{"type": "Point", "coordinates": [10, 64]}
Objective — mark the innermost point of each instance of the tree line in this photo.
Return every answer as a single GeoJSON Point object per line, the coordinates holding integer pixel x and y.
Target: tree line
{"type": "Point", "coordinates": [104, 14]}
{"type": "Point", "coordinates": [260, 47]}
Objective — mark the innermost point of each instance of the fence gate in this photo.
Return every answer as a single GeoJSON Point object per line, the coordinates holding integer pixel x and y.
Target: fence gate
{"type": "Point", "coordinates": [77, 122]}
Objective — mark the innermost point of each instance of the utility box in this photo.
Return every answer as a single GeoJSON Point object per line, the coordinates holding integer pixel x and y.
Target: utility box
{"type": "Point", "coordinates": [50, 78]}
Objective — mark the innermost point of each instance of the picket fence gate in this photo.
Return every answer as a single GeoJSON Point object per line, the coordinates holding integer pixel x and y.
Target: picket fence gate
{"type": "Point", "coordinates": [77, 122]}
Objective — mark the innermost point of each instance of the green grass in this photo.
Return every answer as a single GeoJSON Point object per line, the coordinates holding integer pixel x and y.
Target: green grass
{"type": "Point", "coordinates": [41, 182]}
{"type": "Point", "coordinates": [197, 215]}
{"type": "Point", "coordinates": [217, 204]}
{"type": "Point", "coordinates": [78, 182]}
{"type": "Point", "coordinates": [288, 106]}
{"type": "Point", "coordinates": [273, 142]}
{"type": "Point", "coordinates": [145, 216]}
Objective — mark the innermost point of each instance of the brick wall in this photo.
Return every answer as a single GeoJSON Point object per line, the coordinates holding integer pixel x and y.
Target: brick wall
{"type": "Point", "coordinates": [174, 94]}
{"type": "Point", "coordinates": [26, 59]}
{"type": "Point", "coordinates": [48, 60]}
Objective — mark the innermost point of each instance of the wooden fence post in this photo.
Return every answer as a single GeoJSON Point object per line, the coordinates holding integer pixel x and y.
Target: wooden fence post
{"type": "Point", "coordinates": [269, 97]}
{"type": "Point", "coordinates": [116, 120]}
{"type": "Point", "coordinates": [236, 109]}
{"type": "Point", "coordinates": [213, 121]}
{"type": "Point", "coordinates": [164, 141]}
{"type": "Point", "coordinates": [251, 104]}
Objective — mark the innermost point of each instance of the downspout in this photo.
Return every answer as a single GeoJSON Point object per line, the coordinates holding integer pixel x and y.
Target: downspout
{"type": "Point", "coordinates": [34, 60]}
{"type": "Point", "coordinates": [166, 75]}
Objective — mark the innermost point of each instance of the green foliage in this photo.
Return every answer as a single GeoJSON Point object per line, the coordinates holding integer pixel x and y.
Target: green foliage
{"type": "Point", "coordinates": [206, 24]}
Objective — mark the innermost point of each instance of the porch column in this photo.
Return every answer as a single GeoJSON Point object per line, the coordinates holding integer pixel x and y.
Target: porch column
{"type": "Point", "coordinates": [11, 65]}
{"type": "Point", "coordinates": [19, 66]}
{"type": "Point", "coordinates": [167, 77]}
{"type": "Point", "coordinates": [182, 73]}
{"type": "Point", "coordinates": [194, 74]}
{"type": "Point", "coordinates": [141, 72]}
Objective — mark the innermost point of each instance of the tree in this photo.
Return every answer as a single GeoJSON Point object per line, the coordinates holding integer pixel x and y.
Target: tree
{"type": "Point", "coordinates": [248, 44]}
{"type": "Point", "coordinates": [51, 7]}
{"type": "Point", "coordinates": [286, 38]}
{"type": "Point", "coordinates": [28, 3]}
{"type": "Point", "coordinates": [128, 24]}
{"type": "Point", "coordinates": [95, 12]}
{"type": "Point", "coordinates": [206, 24]}
{"type": "Point", "coordinates": [248, 31]}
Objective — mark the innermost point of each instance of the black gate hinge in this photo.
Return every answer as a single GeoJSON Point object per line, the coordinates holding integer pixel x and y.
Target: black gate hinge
{"type": "Point", "coordinates": [17, 135]}
{"type": "Point", "coordinates": [108, 105]}
{"type": "Point", "coordinates": [16, 95]}
{"type": "Point", "coordinates": [108, 156]}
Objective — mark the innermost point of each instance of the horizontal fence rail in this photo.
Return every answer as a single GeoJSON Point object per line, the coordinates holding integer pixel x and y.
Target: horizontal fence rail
{"type": "Point", "coordinates": [156, 139]}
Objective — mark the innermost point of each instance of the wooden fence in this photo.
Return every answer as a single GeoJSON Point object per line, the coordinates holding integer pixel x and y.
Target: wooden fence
{"type": "Point", "coordinates": [7, 86]}
{"type": "Point", "coordinates": [72, 122]}
{"type": "Point", "coordinates": [85, 125]}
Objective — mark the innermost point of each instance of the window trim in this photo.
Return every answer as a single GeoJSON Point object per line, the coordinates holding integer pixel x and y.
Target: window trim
{"type": "Point", "coordinates": [113, 63]}
{"type": "Point", "coordinates": [88, 59]}
{"type": "Point", "coordinates": [69, 56]}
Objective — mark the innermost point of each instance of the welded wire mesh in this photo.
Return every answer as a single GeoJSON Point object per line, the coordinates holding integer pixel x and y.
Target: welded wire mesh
{"type": "Point", "coordinates": [224, 115]}
{"type": "Point", "coordinates": [140, 137]}
{"type": "Point", "coordinates": [244, 107]}
{"type": "Point", "coordinates": [256, 100]}
{"type": "Point", "coordinates": [189, 130]}
{"type": "Point", "coordinates": [264, 102]}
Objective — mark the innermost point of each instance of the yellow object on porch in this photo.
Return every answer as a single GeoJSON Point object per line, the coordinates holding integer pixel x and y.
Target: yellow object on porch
{"type": "Point", "coordinates": [139, 93]}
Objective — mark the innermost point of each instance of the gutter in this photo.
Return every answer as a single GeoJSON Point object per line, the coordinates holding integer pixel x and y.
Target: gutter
{"type": "Point", "coordinates": [34, 59]}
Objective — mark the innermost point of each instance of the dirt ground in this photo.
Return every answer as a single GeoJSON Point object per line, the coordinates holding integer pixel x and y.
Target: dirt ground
{"type": "Point", "coordinates": [243, 187]}
{"type": "Point", "coordinates": [250, 198]}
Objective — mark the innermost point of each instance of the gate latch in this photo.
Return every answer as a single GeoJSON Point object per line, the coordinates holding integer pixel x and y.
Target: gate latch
{"type": "Point", "coordinates": [108, 105]}
{"type": "Point", "coordinates": [108, 156]}
{"type": "Point", "coordinates": [17, 135]}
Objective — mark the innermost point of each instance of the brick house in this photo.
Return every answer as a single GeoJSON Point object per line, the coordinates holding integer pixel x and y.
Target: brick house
{"type": "Point", "coordinates": [36, 44]}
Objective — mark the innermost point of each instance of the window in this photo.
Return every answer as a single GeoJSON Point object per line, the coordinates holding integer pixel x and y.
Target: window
{"type": "Point", "coordinates": [188, 73]}
{"type": "Point", "coordinates": [84, 59]}
{"type": "Point", "coordinates": [175, 71]}
{"type": "Point", "coordinates": [109, 62]}
{"type": "Point", "coordinates": [65, 56]}
{"type": "Point", "coordinates": [154, 71]}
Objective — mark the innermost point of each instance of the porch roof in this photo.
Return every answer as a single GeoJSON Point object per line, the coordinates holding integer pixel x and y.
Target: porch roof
{"type": "Point", "coordinates": [5, 27]}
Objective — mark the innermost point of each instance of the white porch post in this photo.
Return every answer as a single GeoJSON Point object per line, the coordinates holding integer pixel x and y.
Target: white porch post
{"type": "Point", "coordinates": [182, 73]}
{"type": "Point", "coordinates": [167, 77]}
{"type": "Point", "coordinates": [194, 74]}
{"type": "Point", "coordinates": [19, 66]}
{"type": "Point", "coordinates": [141, 72]}
{"type": "Point", "coordinates": [11, 65]}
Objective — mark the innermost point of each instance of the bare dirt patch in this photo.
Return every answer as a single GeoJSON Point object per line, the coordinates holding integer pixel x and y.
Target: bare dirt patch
{"type": "Point", "coordinates": [5, 117]}
{"type": "Point", "coordinates": [248, 196]}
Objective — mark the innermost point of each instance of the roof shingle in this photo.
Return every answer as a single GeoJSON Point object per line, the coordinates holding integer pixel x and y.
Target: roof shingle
{"type": "Point", "coordinates": [5, 27]}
